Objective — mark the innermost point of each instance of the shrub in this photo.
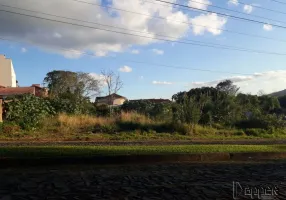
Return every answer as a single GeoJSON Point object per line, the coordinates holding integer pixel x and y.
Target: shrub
{"type": "Point", "coordinates": [252, 124]}
{"type": "Point", "coordinates": [27, 111]}
{"type": "Point", "coordinates": [9, 128]}
{"type": "Point", "coordinates": [102, 110]}
{"type": "Point", "coordinates": [263, 122]}
{"type": "Point", "coordinates": [202, 130]}
{"type": "Point", "coordinates": [161, 111]}
{"type": "Point", "coordinates": [255, 132]}
{"type": "Point", "coordinates": [239, 133]}
{"type": "Point", "coordinates": [72, 106]}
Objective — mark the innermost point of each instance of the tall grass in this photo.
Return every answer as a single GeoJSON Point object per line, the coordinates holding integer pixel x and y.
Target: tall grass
{"type": "Point", "coordinates": [134, 117]}
{"type": "Point", "coordinates": [82, 121]}
{"type": "Point", "coordinates": [127, 122]}
{"type": "Point", "coordinates": [128, 125]}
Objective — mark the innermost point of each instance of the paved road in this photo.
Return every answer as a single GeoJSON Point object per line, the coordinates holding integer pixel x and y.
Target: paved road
{"type": "Point", "coordinates": [165, 181]}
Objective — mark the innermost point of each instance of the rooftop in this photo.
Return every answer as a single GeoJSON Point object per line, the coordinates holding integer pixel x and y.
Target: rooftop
{"type": "Point", "coordinates": [154, 100]}
{"type": "Point", "coordinates": [16, 91]}
{"type": "Point", "coordinates": [113, 96]}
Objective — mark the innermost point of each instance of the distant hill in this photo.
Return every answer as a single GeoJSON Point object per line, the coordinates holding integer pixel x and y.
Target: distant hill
{"type": "Point", "coordinates": [278, 94]}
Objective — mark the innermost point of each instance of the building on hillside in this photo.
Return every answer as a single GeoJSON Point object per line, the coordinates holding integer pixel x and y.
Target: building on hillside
{"type": "Point", "coordinates": [111, 100]}
{"type": "Point", "coordinates": [35, 89]}
{"type": "Point", "coordinates": [7, 73]}
{"type": "Point", "coordinates": [153, 100]}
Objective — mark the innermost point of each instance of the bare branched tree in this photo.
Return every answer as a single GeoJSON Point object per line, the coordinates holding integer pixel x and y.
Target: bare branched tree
{"type": "Point", "coordinates": [113, 83]}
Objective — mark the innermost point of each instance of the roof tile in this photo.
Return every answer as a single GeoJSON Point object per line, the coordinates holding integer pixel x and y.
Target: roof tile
{"type": "Point", "coordinates": [16, 91]}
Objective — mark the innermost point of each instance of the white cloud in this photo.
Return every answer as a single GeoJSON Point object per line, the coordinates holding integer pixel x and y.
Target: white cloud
{"type": "Point", "coordinates": [71, 54]}
{"type": "Point", "coordinates": [247, 8]}
{"type": "Point", "coordinates": [100, 78]}
{"type": "Point", "coordinates": [200, 4]}
{"type": "Point", "coordinates": [135, 51]}
{"type": "Point", "coordinates": [97, 76]}
{"type": "Point", "coordinates": [57, 35]}
{"type": "Point", "coordinates": [267, 27]}
{"type": "Point", "coordinates": [233, 2]}
{"type": "Point", "coordinates": [125, 69]}
{"type": "Point", "coordinates": [23, 50]}
{"type": "Point", "coordinates": [141, 77]}
{"type": "Point", "coordinates": [208, 22]}
{"type": "Point", "coordinates": [158, 51]}
{"type": "Point", "coordinates": [162, 83]}
{"type": "Point", "coordinates": [54, 36]}
{"type": "Point", "coordinates": [269, 81]}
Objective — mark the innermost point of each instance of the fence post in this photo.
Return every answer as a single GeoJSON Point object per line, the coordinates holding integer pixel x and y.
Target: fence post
{"type": "Point", "coordinates": [1, 110]}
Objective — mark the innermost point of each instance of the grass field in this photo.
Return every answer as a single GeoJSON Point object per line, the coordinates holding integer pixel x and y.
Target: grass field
{"type": "Point", "coordinates": [126, 127]}
{"type": "Point", "coordinates": [79, 151]}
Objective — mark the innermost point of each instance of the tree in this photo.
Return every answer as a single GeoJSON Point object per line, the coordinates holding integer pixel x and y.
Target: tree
{"type": "Point", "coordinates": [228, 87]}
{"type": "Point", "coordinates": [261, 93]}
{"type": "Point", "coordinates": [268, 103]}
{"type": "Point", "coordinates": [282, 101]}
{"type": "Point", "coordinates": [90, 86]}
{"type": "Point", "coordinates": [77, 84]}
{"type": "Point", "coordinates": [70, 92]}
{"type": "Point", "coordinates": [113, 83]}
{"type": "Point", "coordinates": [60, 82]}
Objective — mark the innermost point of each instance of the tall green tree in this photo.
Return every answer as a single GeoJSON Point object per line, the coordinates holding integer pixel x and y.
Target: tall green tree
{"type": "Point", "coordinates": [228, 87]}
{"type": "Point", "coordinates": [70, 92]}
{"type": "Point", "coordinates": [78, 84]}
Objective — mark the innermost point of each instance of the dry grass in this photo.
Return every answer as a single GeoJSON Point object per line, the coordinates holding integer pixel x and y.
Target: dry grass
{"type": "Point", "coordinates": [125, 126]}
{"type": "Point", "coordinates": [81, 121]}
{"type": "Point", "coordinates": [134, 117]}
{"type": "Point", "coordinates": [66, 124]}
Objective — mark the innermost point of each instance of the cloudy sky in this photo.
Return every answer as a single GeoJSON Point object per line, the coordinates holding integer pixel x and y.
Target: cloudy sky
{"type": "Point", "coordinates": [158, 49]}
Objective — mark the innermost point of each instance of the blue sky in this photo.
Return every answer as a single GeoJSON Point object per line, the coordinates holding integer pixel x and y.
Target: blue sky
{"type": "Point", "coordinates": [40, 41]}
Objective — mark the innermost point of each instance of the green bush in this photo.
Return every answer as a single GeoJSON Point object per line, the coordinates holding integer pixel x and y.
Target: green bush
{"type": "Point", "coordinates": [239, 133]}
{"type": "Point", "coordinates": [106, 128]}
{"type": "Point", "coordinates": [27, 111]}
{"type": "Point", "coordinates": [158, 111]}
{"type": "Point", "coordinates": [266, 122]}
{"type": "Point", "coordinates": [72, 106]}
{"type": "Point", "coordinates": [102, 110]}
{"type": "Point", "coordinates": [252, 124]}
{"type": "Point", "coordinates": [255, 132]}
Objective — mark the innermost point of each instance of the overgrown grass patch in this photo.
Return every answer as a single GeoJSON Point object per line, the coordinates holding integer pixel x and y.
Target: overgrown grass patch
{"type": "Point", "coordinates": [127, 127]}
{"type": "Point", "coordinates": [80, 151]}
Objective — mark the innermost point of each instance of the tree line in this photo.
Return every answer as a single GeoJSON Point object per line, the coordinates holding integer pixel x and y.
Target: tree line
{"type": "Point", "coordinates": [221, 106]}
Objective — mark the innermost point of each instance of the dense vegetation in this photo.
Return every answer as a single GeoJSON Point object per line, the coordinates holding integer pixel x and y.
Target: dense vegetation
{"type": "Point", "coordinates": [214, 112]}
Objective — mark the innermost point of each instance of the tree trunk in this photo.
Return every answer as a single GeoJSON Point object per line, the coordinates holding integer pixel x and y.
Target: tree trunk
{"type": "Point", "coordinates": [192, 129]}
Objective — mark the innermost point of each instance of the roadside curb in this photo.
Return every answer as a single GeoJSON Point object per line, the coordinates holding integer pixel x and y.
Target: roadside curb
{"type": "Point", "coordinates": [142, 159]}
{"type": "Point", "coordinates": [147, 143]}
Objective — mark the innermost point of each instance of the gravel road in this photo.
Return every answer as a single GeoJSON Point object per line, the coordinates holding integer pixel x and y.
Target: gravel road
{"type": "Point", "coordinates": [163, 181]}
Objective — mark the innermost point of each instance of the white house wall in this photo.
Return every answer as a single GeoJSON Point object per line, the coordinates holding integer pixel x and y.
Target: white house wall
{"type": "Point", "coordinates": [119, 101]}
{"type": "Point", "coordinates": [7, 73]}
